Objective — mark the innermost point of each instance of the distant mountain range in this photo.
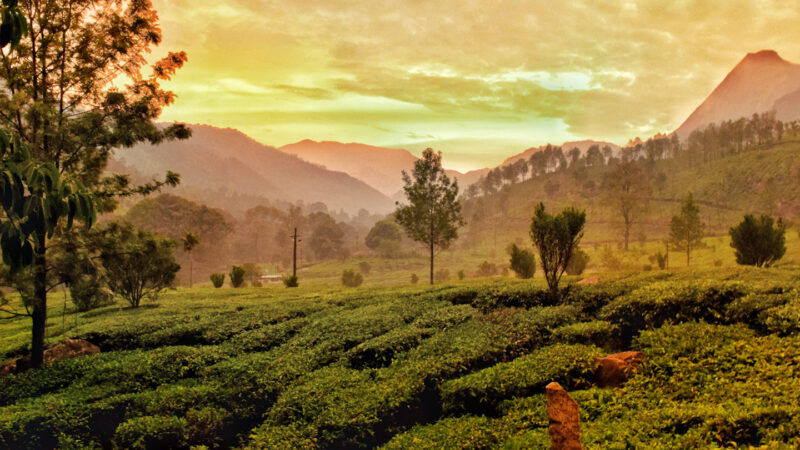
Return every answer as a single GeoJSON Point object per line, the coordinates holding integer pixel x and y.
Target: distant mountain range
{"type": "Point", "coordinates": [761, 82]}
{"type": "Point", "coordinates": [218, 160]}
{"type": "Point", "coordinates": [354, 176]}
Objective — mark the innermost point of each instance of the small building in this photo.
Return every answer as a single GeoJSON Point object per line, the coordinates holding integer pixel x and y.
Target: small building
{"type": "Point", "coordinates": [270, 277]}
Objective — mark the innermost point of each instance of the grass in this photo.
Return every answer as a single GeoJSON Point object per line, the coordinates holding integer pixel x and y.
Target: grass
{"type": "Point", "coordinates": [460, 364]}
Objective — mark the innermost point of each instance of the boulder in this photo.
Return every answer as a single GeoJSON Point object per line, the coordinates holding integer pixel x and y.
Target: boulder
{"type": "Point", "coordinates": [590, 280]}
{"type": "Point", "coordinates": [565, 419]}
{"type": "Point", "coordinates": [614, 370]}
{"type": "Point", "coordinates": [70, 348]}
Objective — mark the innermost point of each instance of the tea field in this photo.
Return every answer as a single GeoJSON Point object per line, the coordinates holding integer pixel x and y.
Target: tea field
{"type": "Point", "coordinates": [462, 365]}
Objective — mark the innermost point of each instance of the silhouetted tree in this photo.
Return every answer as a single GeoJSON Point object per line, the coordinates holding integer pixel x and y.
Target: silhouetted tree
{"type": "Point", "coordinates": [190, 241]}
{"type": "Point", "coordinates": [627, 190]}
{"type": "Point", "coordinates": [433, 214]}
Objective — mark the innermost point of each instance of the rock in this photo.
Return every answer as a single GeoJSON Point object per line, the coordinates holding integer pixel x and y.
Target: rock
{"type": "Point", "coordinates": [565, 419]}
{"type": "Point", "coordinates": [590, 280]}
{"type": "Point", "coordinates": [70, 348]}
{"type": "Point", "coordinates": [614, 370]}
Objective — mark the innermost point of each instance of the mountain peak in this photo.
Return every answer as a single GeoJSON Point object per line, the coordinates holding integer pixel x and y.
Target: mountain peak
{"type": "Point", "coordinates": [764, 56]}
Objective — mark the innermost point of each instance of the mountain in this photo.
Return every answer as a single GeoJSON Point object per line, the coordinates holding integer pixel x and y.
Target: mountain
{"type": "Point", "coordinates": [218, 161]}
{"type": "Point", "coordinates": [761, 82]}
{"type": "Point", "coordinates": [379, 167]}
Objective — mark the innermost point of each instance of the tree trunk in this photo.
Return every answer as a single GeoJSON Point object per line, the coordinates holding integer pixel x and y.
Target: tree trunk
{"type": "Point", "coordinates": [431, 261]}
{"type": "Point", "coordinates": [190, 270]}
{"type": "Point", "coordinates": [39, 315]}
{"type": "Point", "coordinates": [688, 252]}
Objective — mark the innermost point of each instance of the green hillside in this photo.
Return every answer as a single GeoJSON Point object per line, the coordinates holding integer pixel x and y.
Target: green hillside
{"type": "Point", "coordinates": [456, 366]}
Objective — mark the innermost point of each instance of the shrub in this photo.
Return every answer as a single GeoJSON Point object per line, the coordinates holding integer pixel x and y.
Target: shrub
{"type": "Point", "coordinates": [482, 391]}
{"type": "Point", "coordinates": [151, 432]}
{"type": "Point", "coordinates": [758, 242]}
{"type": "Point", "coordinates": [522, 262]}
{"type": "Point", "coordinates": [487, 269]}
{"type": "Point", "coordinates": [578, 262]}
{"type": "Point", "coordinates": [364, 267]}
{"type": "Point", "coordinates": [556, 238]}
{"type": "Point", "coordinates": [451, 432]}
{"type": "Point", "coordinates": [598, 332]}
{"type": "Point", "coordinates": [379, 352]}
{"type": "Point", "coordinates": [609, 260]}
{"type": "Point", "coordinates": [351, 278]}
{"type": "Point", "coordinates": [647, 268]}
{"type": "Point", "coordinates": [290, 281]}
{"type": "Point", "coordinates": [442, 275]}
{"type": "Point", "coordinates": [659, 259]}
{"type": "Point", "coordinates": [414, 278]}
{"type": "Point", "coordinates": [660, 302]}
{"type": "Point", "coordinates": [237, 276]}
{"type": "Point", "coordinates": [217, 279]}
{"type": "Point", "coordinates": [461, 275]}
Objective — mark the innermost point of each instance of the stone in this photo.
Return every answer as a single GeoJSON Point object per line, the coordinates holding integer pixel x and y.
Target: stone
{"type": "Point", "coordinates": [590, 280]}
{"type": "Point", "coordinates": [614, 370]}
{"type": "Point", "coordinates": [565, 419]}
{"type": "Point", "coordinates": [70, 348]}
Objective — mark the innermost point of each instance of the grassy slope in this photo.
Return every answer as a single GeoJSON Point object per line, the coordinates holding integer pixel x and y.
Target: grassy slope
{"type": "Point", "coordinates": [420, 367]}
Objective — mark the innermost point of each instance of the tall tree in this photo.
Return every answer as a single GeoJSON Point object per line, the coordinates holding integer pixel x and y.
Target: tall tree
{"type": "Point", "coordinates": [433, 214]}
{"type": "Point", "coordinates": [686, 229]}
{"type": "Point", "coordinates": [190, 241]}
{"type": "Point", "coordinates": [556, 237]}
{"type": "Point", "coordinates": [627, 190]}
{"type": "Point", "coordinates": [73, 91]}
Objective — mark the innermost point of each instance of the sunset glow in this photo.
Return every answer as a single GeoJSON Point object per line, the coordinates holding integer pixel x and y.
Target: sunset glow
{"type": "Point", "coordinates": [478, 80]}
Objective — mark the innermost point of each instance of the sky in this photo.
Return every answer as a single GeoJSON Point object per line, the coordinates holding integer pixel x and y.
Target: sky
{"type": "Point", "coordinates": [478, 80]}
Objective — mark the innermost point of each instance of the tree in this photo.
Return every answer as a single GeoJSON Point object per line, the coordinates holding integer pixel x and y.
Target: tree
{"type": "Point", "coordinates": [577, 262]}
{"type": "Point", "coordinates": [351, 278]}
{"type": "Point", "coordinates": [522, 262]}
{"type": "Point", "coordinates": [237, 276]}
{"type": "Point", "coordinates": [217, 279]}
{"type": "Point", "coordinates": [556, 237]}
{"type": "Point", "coordinates": [140, 264]}
{"type": "Point", "coordinates": [627, 190]}
{"type": "Point", "coordinates": [327, 239]}
{"type": "Point", "coordinates": [64, 97]}
{"type": "Point", "coordinates": [758, 241]}
{"type": "Point", "coordinates": [383, 231]}
{"type": "Point", "coordinates": [190, 241]}
{"type": "Point", "coordinates": [686, 230]}
{"type": "Point", "coordinates": [434, 212]}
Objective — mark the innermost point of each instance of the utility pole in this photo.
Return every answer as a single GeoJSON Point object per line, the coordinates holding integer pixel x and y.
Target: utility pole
{"type": "Point", "coordinates": [294, 253]}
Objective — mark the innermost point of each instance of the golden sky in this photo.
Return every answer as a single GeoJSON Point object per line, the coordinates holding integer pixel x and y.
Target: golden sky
{"type": "Point", "coordinates": [478, 80]}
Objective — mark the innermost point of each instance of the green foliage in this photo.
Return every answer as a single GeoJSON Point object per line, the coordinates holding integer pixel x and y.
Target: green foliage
{"type": "Point", "coordinates": [433, 214]}
{"type": "Point", "coordinates": [758, 241]}
{"type": "Point", "coordinates": [414, 278]}
{"type": "Point", "coordinates": [482, 391]}
{"type": "Point", "coordinates": [460, 275]}
{"type": "Point", "coordinates": [686, 230]}
{"type": "Point", "coordinates": [140, 264]}
{"type": "Point", "coordinates": [522, 262]}
{"type": "Point", "coordinates": [598, 332]}
{"type": "Point", "coordinates": [577, 262]}
{"type": "Point", "coordinates": [556, 237]}
{"type": "Point", "coordinates": [660, 259]}
{"type": "Point", "coordinates": [151, 432]}
{"type": "Point", "coordinates": [291, 281]}
{"type": "Point", "coordinates": [487, 269]}
{"type": "Point", "coordinates": [626, 188]}
{"type": "Point", "coordinates": [351, 278]}
{"type": "Point", "coordinates": [217, 279]}
{"type": "Point", "coordinates": [382, 232]}
{"type": "Point", "coordinates": [327, 239]}
{"type": "Point", "coordinates": [236, 276]}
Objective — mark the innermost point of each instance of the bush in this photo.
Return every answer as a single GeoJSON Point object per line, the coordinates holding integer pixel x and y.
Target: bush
{"type": "Point", "coordinates": [151, 432]}
{"type": "Point", "coordinates": [659, 259]}
{"type": "Point", "coordinates": [482, 391]}
{"type": "Point", "coordinates": [660, 302]}
{"type": "Point", "coordinates": [364, 267]}
{"type": "Point", "coordinates": [217, 279]}
{"type": "Point", "coordinates": [487, 269]}
{"type": "Point", "coordinates": [758, 242]}
{"type": "Point", "coordinates": [290, 281]}
{"type": "Point", "coordinates": [598, 332]}
{"type": "Point", "coordinates": [414, 278]}
{"type": "Point", "coordinates": [578, 262]}
{"type": "Point", "coordinates": [522, 262]}
{"type": "Point", "coordinates": [237, 276]}
{"type": "Point", "coordinates": [351, 278]}
{"type": "Point", "coordinates": [442, 275]}
{"type": "Point", "coordinates": [461, 275]}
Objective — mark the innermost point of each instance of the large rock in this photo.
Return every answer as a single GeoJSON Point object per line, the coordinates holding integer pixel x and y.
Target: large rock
{"type": "Point", "coordinates": [565, 419]}
{"type": "Point", "coordinates": [614, 370]}
{"type": "Point", "coordinates": [70, 348]}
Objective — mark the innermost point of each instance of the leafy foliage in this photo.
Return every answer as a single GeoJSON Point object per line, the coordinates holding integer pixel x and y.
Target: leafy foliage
{"type": "Point", "coordinates": [382, 231]}
{"type": "Point", "coordinates": [217, 279]}
{"type": "Point", "coordinates": [758, 241]}
{"type": "Point", "coordinates": [352, 278]}
{"type": "Point", "coordinates": [556, 237]}
{"type": "Point", "coordinates": [236, 276]}
{"type": "Point", "coordinates": [522, 262]}
{"type": "Point", "coordinates": [577, 262]}
{"type": "Point", "coordinates": [686, 230]}
{"type": "Point", "coordinates": [290, 281]}
{"type": "Point", "coordinates": [139, 263]}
